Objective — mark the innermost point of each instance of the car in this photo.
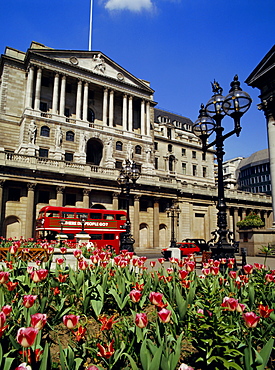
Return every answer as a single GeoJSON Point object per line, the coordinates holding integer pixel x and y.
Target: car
{"type": "Point", "coordinates": [201, 243]}
{"type": "Point", "coordinates": [185, 248]}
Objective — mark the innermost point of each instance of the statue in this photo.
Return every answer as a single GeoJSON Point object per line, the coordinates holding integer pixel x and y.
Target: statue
{"type": "Point", "coordinates": [58, 137]}
{"type": "Point", "coordinates": [99, 63]}
{"type": "Point", "coordinates": [32, 132]}
{"type": "Point", "coordinates": [148, 154]}
{"type": "Point", "coordinates": [130, 151]}
{"type": "Point", "coordinates": [109, 148]}
{"type": "Point", "coordinates": [83, 141]}
{"type": "Point", "coordinates": [216, 88]}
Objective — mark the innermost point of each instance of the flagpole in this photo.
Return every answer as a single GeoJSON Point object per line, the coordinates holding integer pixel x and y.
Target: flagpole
{"type": "Point", "coordinates": [91, 26]}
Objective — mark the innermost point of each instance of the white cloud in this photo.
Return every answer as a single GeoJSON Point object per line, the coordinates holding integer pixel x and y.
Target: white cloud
{"type": "Point", "coordinates": [132, 5]}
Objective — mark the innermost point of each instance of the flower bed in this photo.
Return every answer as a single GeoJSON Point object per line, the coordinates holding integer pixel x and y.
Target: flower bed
{"type": "Point", "coordinates": [122, 312]}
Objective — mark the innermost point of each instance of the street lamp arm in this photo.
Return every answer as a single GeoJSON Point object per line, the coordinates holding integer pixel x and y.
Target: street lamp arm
{"type": "Point", "coordinates": [223, 138]}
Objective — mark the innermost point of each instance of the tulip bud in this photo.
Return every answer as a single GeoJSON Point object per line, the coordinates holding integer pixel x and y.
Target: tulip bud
{"type": "Point", "coordinates": [141, 320]}
{"type": "Point", "coordinates": [70, 321]}
{"type": "Point", "coordinates": [135, 295]}
{"type": "Point", "coordinates": [26, 336]}
{"type": "Point", "coordinates": [28, 300]}
{"type": "Point", "coordinates": [164, 315]}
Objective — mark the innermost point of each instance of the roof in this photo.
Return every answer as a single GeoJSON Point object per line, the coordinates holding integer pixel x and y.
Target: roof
{"type": "Point", "coordinates": [260, 157]}
{"type": "Point", "coordinates": [171, 116]}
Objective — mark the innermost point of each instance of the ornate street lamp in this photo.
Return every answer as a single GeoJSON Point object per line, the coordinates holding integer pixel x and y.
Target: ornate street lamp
{"type": "Point", "coordinates": [62, 223]}
{"type": "Point", "coordinates": [127, 178]}
{"type": "Point", "coordinates": [173, 212]}
{"type": "Point", "coordinates": [83, 219]}
{"type": "Point", "coordinates": [235, 104]}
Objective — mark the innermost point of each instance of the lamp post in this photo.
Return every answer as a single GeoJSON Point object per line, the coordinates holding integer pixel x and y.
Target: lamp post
{"type": "Point", "coordinates": [127, 178]}
{"type": "Point", "coordinates": [83, 219]}
{"type": "Point", "coordinates": [235, 104]}
{"type": "Point", "coordinates": [173, 212]}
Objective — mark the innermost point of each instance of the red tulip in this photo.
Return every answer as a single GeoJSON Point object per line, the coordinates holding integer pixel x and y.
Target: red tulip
{"type": "Point", "coordinates": [13, 249]}
{"type": "Point", "coordinates": [82, 265]}
{"type": "Point", "coordinates": [79, 333]}
{"type": "Point", "coordinates": [248, 269]}
{"type": "Point", "coordinates": [2, 319]}
{"type": "Point", "coordinates": [141, 320]}
{"type": "Point", "coordinates": [107, 351]}
{"type": "Point", "coordinates": [215, 270]}
{"type": "Point", "coordinates": [251, 319]}
{"type": "Point", "coordinates": [153, 263]}
{"type": "Point", "coordinates": [63, 250]}
{"type": "Point", "coordinates": [264, 311]}
{"type": "Point", "coordinates": [190, 266]}
{"type": "Point", "coordinates": [183, 274]}
{"type": "Point", "coordinates": [269, 278]}
{"type": "Point", "coordinates": [62, 278]}
{"type": "Point", "coordinates": [11, 286]}
{"type": "Point", "coordinates": [135, 295]}
{"type": "Point", "coordinates": [70, 321]}
{"type": "Point", "coordinates": [28, 300]}
{"type": "Point", "coordinates": [161, 260]}
{"type": "Point", "coordinates": [233, 274]}
{"type": "Point", "coordinates": [77, 253]}
{"type": "Point", "coordinates": [206, 271]}
{"type": "Point", "coordinates": [230, 304]}
{"type": "Point", "coordinates": [4, 276]}
{"type": "Point", "coordinates": [164, 315]}
{"type": "Point", "coordinates": [59, 261]}
{"type": "Point", "coordinates": [155, 298]}
{"type": "Point", "coordinates": [26, 336]}
{"type": "Point", "coordinates": [7, 309]}
{"type": "Point", "coordinates": [106, 323]}
{"type": "Point", "coordinates": [39, 275]}
{"type": "Point", "coordinates": [38, 320]}
{"type": "Point", "coordinates": [50, 250]}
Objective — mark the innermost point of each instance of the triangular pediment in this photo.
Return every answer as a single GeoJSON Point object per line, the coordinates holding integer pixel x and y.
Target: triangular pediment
{"type": "Point", "coordinates": [95, 63]}
{"type": "Point", "coordinates": [266, 65]}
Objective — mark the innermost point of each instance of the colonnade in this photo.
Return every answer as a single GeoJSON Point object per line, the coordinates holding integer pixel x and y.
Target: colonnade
{"type": "Point", "coordinates": [33, 99]}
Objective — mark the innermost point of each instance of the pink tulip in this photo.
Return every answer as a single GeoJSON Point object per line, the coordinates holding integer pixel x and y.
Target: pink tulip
{"type": "Point", "coordinates": [248, 269]}
{"type": "Point", "coordinates": [155, 298]}
{"type": "Point", "coordinates": [28, 300]}
{"type": "Point", "coordinates": [63, 250]}
{"type": "Point", "coordinates": [269, 278]}
{"type": "Point", "coordinates": [70, 321]}
{"type": "Point", "coordinates": [206, 271]}
{"type": "Point", "coordinates": [215, 270]}
{"type": "Point", "coordinates": [185, 367]}
{"type": "Point", "coordinates": [59, 261]}
{"type": "Point", "coordinates": [233, 274]}
{"type": "Point", "coordinates": [251, 319]}
{"type": "Point", "coordinates": [2, 319]}
{"type": "Point", "coordinates": [7, 309]}
{"type": "Point", "coordinates": [82, 265]}
{"type": "Point", "coordinates": [39, 275]}
{"type": "Point", "coordinates": [93, 367]}
{"type": "Point", "coordinates": [4, 276]}
{"type": "Point", "coordinates": [77, 253]}
{"type": "Point", "coordinates": [26, 336]}
{"type": "Point", "coordinates": [38, 320]}
{"type": "Point", "coordinates": [164, 315]}
{"type": "Point", "coordinates": [230, 304]}
{"type": "Point", "coordinates": [141, 320]}
{"type": "Point", "coordinates": [23, 366]}
{"type": "Point", "coordinates": [135, 295]}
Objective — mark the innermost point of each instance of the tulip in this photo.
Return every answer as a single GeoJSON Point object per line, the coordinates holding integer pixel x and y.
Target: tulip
{"type": "Point", "coordinates": [4, 276]}
{"type": "Point", "coordinates": [26, 336]}
{"type": "Point", "coordinates": [107, 351]}
{"type": "Point", "coordinates": [59, 261]}
{"type": "Point", "coordinates": [269, 278]}
{"type": "Point", "coordinates": [155, 298]}
{"type": "Point", "coordinates": [185, 367]}
{"type": "Point", "coordinates": [215, 270]}
{"type": "Point", "coordinates": [233, 274]}
{"type": "Point", "coordinates": [183, 274]}
{"type": "Point", "coordinates": [79, 333]}
{"type": "Point", "coordinates": [161, 260]}
{"type": "Point", "coordinates": [13, 249]}
{"type": "Point", "coordinates": [164, 315]}
{"type": "Point", "coordinates": [82, 265]}
{"type": "Point", "coordinates": [39, 275]}
{"type": "Point", "coordinates": [92, 368]}
{"type": "Point", "coordinates": [141, 320]}
{"type": "Point", "coordinates": [11, 286]}
{"type": "Point", "coordinates": [106, 323]}
{"type": "Point", "coordinates": [264, 311]}
{"type": "Point", "coordinates": [77, 253]}
{"type": "Point", "coordinates": [206, 271]}
{"type": "Point", "coordinates": [248, 269]}
{"type": "Point", "coordinates": [2, 319]}
{"type": "Point", "coordinates": [153, 263]}
{"type": "Point", "coordinates": [63, 250]}
{"type": "Point", "coordinates": [135, 295]}
{"type": "Point", "coordinates": [38, 320]}
{"type": "Point", "coordinates": [190, 266]}
{"type": "Point", "coordinates": [28, 300]}
{"type": "Point", "coordinates": [7, 309]}
{"type": "Point", "coordinates": [23, 366]}
{"type": "Point", "coordinates": [170, 270]}
{"type": "Point", "coordinates": [50, 250]}
{"type": "Point", "coordinates": [251, 319]}
{"type": "Point", "coordinates": [70, 321]}
{"type": "Point", "coordinates": [230, 304]}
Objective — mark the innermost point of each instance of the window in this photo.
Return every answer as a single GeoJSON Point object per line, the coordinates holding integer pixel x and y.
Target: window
{"type": "Point", "coordinates": [14, 194]}
{"type": "Point", "coordinates": [108, 217]}
{"type": "Point", "coordinates": [119, 145]}
{"type": "Point", "coordinates": [143, 205]}
{"type": "Point", "coordinates": [45, 131]}
{"type": "Point", "coordinates": [68, 88]}
{"type": "Point", "coordinates": [43, 152]}
{"type": "Point", "coordinates": [169, 133]}
{"type": "Point", "coordinates": [91, 115]}
{"type": "Point", "coordinates": [67, 112]}
{"type": "Point", "coordinates": [45, 81]}
{"type": "Point", "coordinates": [96, 236]}
{"type": "Point", "coordinates": [43, 196]}
{"type": "Point", "coordinates": [69, 157]}
{"type": "Point", "coordinates": [70, 136]}
{"type": "Point", "coordinates": [203, 156]}
{"type": "Point", "coordinates": [194, 170]}
{"type": "Point", "coordinates": [118, 164]}
{"type": "Point", "coordinates": [70, 199]}
{"type": "Point", "coordinates": [156, 163]}
{"type": "Point", "coordinates": [108, 236]}
{"type": "Point", "coordinates": [96, 216]}
{"type": "Point", "coordinates": [204, 172]}
{"type": "Point", "coordinates": [194, 154]}
{"type": "Point", "coordinates": [170, 148]}
{"type": "Point", "coordinates": [156, 146]}
{"type": "Point", "coordinates": [183, 166]}
{"type": "Point", "coordinates": [183, 152]}
{"type": "Point", "coordinates": [138, 149]}
{"type": "Point", "coordinates": [43, 106]}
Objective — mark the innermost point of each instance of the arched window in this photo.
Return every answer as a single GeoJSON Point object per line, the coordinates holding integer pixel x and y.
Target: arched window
{"type": "Point", "coordinates": [45, 131]}
{"type": "Point", "coordinates": [170, 148]}
{"type": "Point", "coordinates": [171, 163]}
{"type": "Point", "coordinates": [119, 145]}
{"type": "Point", "coordinates": [70, 136]}
{"type": "Point", "coordinates": [91, 115]}
{"type": "Point", "coordinates": [138, 149]}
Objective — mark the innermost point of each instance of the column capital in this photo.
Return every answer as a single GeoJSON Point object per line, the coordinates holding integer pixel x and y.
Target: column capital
{"type": "Point", "coordinates": [60, 189]}
{"type": "Point", "coordinates": [86, 191]}
{"type": "Point", "coordinates": [268, 106]}
{"type": "Point", "coordinates": [115, 195]}
{"type": "Point", "coordinates": [137, 197]}
{"type": "Point", "coordinates": [31, 186]}
{"type": "Point", "coordinates": [2, 183]}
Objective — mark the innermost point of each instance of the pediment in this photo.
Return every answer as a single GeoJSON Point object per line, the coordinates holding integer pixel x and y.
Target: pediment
{"type": "Point", "coordinates": [263, 69]}
{"type": "Point", "coordinates": [96, 63]}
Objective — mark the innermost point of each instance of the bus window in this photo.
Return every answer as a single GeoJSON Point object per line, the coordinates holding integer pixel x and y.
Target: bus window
{"type": "Point", "coordinates": [108, 217]}
{"type": "Point", "coordinates": [70, 236]}
{"type": "Point", "coordinates": [96, 236]}
{"type": "Point", "coordinates": [109, 236]}
{"type": "Point", "coordinates": [52, 214]}
{"type": "Point", "coordinates": [80, 214]}
{"type": "Point", "coordinates": [96, 216]}
{"type": "Point", "coordinates": [121, 217]}
{"type": "Point", "coordinates": [68, 214]}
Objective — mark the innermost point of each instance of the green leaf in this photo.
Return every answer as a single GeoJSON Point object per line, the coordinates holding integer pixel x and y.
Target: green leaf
{"type": "Point", "coordinates": [155, 363]}
{"type": "Point", "coordinates": [63, 362]}
{"type": "Point", "coordinates": [181, 303]}
{"type": "Point", "coordinates": [78, 361]}
{"type": "Point", "coordinates": [8, 363]}
{"type": "Point", "coordinates": [45, 356]}
{"type": "Point", "coordinates": [265, 353]}
{"type": "Point", "coordinates": [97, 306]}
{"type": "Point", "coordinates": [132, 362]}
{"type": "Point", "coordinates": [145, 356]}
{"type": "Point", "coordinates": [177, 352]}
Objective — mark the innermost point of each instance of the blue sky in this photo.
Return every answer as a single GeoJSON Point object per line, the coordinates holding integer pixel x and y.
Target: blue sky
{"type": "Point", "coordinates": [180, 46]}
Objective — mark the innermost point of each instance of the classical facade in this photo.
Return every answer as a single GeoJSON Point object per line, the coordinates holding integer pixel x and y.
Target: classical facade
{"type": "Point", "coordinates": [69, 120]}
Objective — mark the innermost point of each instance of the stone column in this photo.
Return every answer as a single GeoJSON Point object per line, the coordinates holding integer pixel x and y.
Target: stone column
{"type": "Point", "coordinates": [105, 106]}
{"type": "Point", "coordinates": [55, 93]}
{"type": "Point", "coordinates": [235, 220]}
{"type": "Point", "coordinates": [156, 224]}
{"type": "Point", "coordinates": [135, 221]}
{"type": "Point", "coordinates": [115, 201]}
{"type": "Point", "coordinates": [85, 101]}
{"type": "Point", "coordinates": [78, 100]}
{"type": "Point", "coordinates": [29, 211]}
{"type": "Point", "coordinates": [148, 120]}
{"type": "Point", "coordinates": [86, 198]}
{"type": "Point", "coordinates": [59, 196]}
{"type": "Point", "coordinates": [142, 118]}
{"type": "Point", "coordinates": [124, 113]}
{"type": "Point", "coordinates": [130, 114]}
{"type": "Point", "coordinates": [38, 89]}
{"type": "Point", "coordinates": [1, 204]}
{"type": "Point", "coordinates": [111, 109]}
{"type": "Point", "coordinates": [62, 96]}
{"type": "Point", "coordinates": [29, 88]}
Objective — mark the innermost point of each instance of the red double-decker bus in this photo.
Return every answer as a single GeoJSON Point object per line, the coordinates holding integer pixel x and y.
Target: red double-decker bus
{"type": "Point", "coordinates": [103, 226]}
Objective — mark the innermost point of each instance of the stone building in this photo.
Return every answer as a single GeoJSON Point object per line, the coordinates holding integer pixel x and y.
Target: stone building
{"type": "Point", "coordinates": [69, 120]}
